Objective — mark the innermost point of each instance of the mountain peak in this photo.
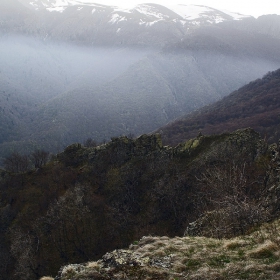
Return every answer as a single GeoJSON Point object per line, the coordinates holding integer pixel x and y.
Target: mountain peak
{"type": "Point", "coordinates": [155, 11]}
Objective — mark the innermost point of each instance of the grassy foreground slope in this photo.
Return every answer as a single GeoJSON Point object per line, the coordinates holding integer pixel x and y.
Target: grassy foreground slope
{"type": "Point", "coordinates": [254, 256]}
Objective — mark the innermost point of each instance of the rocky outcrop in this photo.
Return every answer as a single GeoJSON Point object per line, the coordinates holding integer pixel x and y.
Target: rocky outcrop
{"type": "Point", "coordinates": [137, 262]}
{"type": "Point", "coordinates": [120, 149]}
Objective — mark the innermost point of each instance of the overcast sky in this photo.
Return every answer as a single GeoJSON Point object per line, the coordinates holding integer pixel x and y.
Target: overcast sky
{"type": "Point", "coordinates": [248, 7]}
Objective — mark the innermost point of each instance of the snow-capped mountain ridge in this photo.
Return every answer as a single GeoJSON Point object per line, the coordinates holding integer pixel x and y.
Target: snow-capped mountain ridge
{"type": "Point", "coordinates": [97, 24]}
{"type": "Point", "coordinates": [154, 12]}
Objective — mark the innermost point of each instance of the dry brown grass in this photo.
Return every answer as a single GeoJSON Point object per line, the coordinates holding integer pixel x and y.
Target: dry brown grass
{"type": "Point", "coordinates": [255, 256]}
{"type": "Point", "coordinates": [251, 257]}
{"type": "Point", "coordinates": [93, 265]}
{"type": "Point", "coordinates": [265, 250]}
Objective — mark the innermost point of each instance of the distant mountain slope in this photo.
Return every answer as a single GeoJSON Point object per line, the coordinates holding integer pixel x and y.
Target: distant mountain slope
{"type": "Point", "coordinates": [165, 85]}
{"type": "Point", "coordinates": [255, 105]}
{"type": "Point", "coordinates": [268, 24]}
{"type": "Point", "coordinates": [82, 92]}
{"type": "Point", "coordinates": [33, 72]}
{"type": "Point", "coordinates": [76, 71]}
{"type": "Point", "coordinates": [14, 16]}
{"type": "Point", "coordinates": [11, 111]}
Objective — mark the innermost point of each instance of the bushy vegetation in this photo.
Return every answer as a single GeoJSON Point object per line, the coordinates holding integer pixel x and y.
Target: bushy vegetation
{"type": "Point", "coordinates": [89, 200]}
{"type": "Point", "coordinates": [20, 163]}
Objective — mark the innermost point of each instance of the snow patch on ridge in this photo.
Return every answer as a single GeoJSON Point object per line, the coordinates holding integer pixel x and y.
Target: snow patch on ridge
{"type": "Point", "coordinates": [149, 11]}
{"type": "Point", "coordinates": [56, 9]}
{"type": "Point", "coordinates": [235, 16]}
{"type": "Point", "coordinates": [189, 12]}
{"type": "Point", "coordinates": [127, 11]}
{"type": "Point", "coordinates": [117, 18]}
{"type": "Point", "coordinates": [34, 5]}
{"type": "Point", "coordinates": [152, 23]}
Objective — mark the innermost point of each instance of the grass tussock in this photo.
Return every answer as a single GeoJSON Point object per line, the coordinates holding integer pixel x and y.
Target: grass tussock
{"type": "Point", "coordinates": [93, 265]}
{"type": "Point", "coordinates": [265, 250]}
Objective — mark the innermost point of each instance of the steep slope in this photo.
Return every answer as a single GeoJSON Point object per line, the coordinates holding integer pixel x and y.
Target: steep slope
{"type": "Point", "coordinates": [11, 23]}
{"type": "Point", "coordinates": [34, 72]}
{"type": "Point", "coordinates": [88, 201]}
{"type": "Point", "coordinates": [255, 105]}
{"type": "Point", "coordinates": [12, 109]}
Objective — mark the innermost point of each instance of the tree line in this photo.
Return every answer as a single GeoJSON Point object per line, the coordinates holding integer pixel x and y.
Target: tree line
{"type": "Point", "coordinates": [19, 163]}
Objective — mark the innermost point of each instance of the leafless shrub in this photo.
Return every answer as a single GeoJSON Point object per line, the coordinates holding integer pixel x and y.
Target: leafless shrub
{"type": "Point", "coordinates": [39, 158]}
{"type": "Point", "coordinates": [16, 163]}
{"type": "Point", "coordinates": [226, 191]}
{"type": "Point", "coordinates": [90, 143]}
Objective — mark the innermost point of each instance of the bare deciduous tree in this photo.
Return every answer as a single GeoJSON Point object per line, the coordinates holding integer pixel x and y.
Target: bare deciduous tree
{"type": "Point", "coordinates": [39, 158]}
{"type": "Point", "coordinates": [90, 143]}
{"type": "Point", "coordinates": [16, 163]}
{"type": "Point", "coordinates": [229, 195]}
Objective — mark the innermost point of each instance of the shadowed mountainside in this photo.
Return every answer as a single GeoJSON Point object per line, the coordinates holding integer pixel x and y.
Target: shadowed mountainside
{"type": "Point", "coordinates": [255, 105]}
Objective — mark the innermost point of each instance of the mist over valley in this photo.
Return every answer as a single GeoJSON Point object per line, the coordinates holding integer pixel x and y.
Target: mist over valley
{"type": "Point", "coordinates": [58, 88]}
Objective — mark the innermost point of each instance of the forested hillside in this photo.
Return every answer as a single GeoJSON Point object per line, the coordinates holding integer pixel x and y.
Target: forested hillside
{"type": "Point", "coordinates": [88, 200]}
{"type": "Point", "coordinates": [255, 105]}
